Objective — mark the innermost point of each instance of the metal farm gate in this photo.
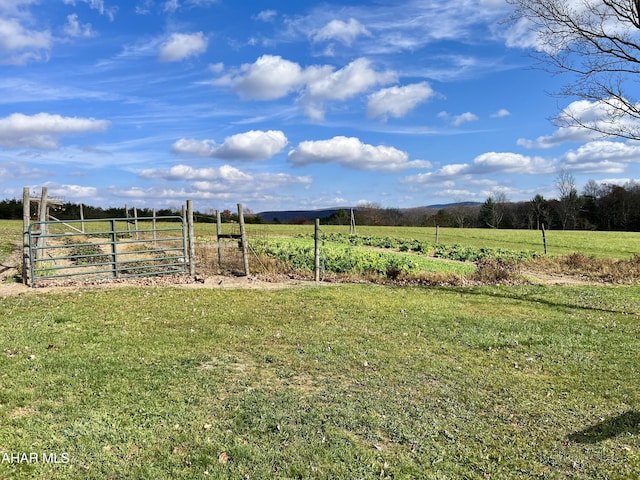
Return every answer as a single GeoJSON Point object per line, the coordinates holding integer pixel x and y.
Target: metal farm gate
{"type": "Point", "coordinates": [106, 248]}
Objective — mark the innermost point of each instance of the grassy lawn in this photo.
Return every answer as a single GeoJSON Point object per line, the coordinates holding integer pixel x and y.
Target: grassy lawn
{"type": "Point", "coordinates": [349, 381]}
{"type": "Point", "coordinates": [10, 237]}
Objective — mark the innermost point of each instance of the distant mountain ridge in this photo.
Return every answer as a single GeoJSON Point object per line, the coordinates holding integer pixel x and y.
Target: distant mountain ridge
{"type": "Point", "coordinates": [286, 216]}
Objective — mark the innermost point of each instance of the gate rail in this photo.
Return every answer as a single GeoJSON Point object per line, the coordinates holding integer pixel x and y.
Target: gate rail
{"type": "Point", "coordinates": [115, 248]}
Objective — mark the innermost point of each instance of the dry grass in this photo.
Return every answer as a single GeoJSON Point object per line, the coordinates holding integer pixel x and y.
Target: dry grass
{"type": "Point", "coordinates": [625, 272]}
{"type": "Point", "coordinates": [497, 271]}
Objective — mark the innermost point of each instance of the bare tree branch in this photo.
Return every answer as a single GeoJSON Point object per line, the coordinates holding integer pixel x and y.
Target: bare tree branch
{"type": "Point", "coordinates": [596, 42]}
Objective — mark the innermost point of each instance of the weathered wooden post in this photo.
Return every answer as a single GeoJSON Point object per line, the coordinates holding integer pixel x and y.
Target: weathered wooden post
{"type": "Point", "coordinates": [243, 241]}
{"type": "Point", "coordinates": [316, 255]}
{"type": "Point", "coordinates": [191, 239]}
{"type": "Point", "coordinates": [544, 239]}
{"type": "Point", "coordinates": [218, 234]}
{"type": "Point", "coordinates": [26, 221]}
{"type": "Point", "coordinates": [352, 226]}
{"type": "Point", "coordinates": [81, 218]}
{"type": "Point", "coordinates": [437, 233]}
{"type": "Point", "coordinates": [42, 217]}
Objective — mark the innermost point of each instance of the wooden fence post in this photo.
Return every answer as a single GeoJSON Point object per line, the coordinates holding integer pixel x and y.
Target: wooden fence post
{"type": "Point", "coordinates": [218, 234]}
{"type": "Point", "coordinates": [26, 221]}
{"type": "Point", "coordinates": [544, 239]}
{"type": "Point", "coordinates": [42, 217]}
{"type": "Point", "coordinates": [243, 240]}
{"type": "Point", "coordinates": [316, 255]}
{"type": "Point", "coordinates": [437, 233]}
{"type": "Point", "coordinates": [191, 239]}
{"type": "Point", "coordinates": [352, 225]}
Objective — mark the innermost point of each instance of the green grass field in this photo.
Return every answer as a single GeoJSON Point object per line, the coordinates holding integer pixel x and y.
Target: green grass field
{"type": "Point", "coordinates": [337, 382]}
{"type": "Point", "coordinates": [619, 245]}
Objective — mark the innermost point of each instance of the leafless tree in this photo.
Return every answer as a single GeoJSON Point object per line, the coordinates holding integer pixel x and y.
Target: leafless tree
{"type": "Point", "coordinates": [539, 210]}
{"type": "Point", "coordinates": [598, 43]}
{"type": "Point", "coordinates": [569, 201]}
{"type": "Point", "coordinates": [592, 189]}
{"type": "Point", "coordinates": [461, 215]}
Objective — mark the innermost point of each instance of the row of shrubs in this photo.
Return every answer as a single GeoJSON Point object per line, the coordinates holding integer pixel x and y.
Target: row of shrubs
{"type": "Point", "coordinates": [336, 258]}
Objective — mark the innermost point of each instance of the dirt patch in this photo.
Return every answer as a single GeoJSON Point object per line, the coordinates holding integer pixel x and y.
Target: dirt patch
{"type": "Point", "coordinates": [542, 278]}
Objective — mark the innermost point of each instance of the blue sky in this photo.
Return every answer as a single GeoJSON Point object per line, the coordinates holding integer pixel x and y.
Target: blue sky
{"type": "Point", "coordinates": [284, 105]}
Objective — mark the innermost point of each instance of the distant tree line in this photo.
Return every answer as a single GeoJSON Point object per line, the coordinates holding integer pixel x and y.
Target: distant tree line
{"type": "Point", "coordinates": [597, 207]}
{"type": "Point", "coordinates": [12, 210]}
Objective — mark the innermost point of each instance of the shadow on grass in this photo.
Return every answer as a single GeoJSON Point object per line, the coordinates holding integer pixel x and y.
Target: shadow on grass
{"type": "Point", "coordinates": [628, 422]}
{"type": "Point", "coordinates": [535, 298]}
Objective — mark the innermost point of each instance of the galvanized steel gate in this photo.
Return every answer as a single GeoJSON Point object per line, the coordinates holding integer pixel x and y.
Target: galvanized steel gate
{"type": "Point", "coordinates": [106, 248]}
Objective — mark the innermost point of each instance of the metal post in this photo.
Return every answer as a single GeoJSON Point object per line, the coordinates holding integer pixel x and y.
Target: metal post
{"type": "Point", "coordinates": [316, 238]}
{"type": "Point", "coordinates": [243, 239]}
{"type": "Point", "coordinates": [153, 222]}
{"type": "Point", "coordinates": [114, 248]}
{"type": "Point", "coordinates": [135, 222]}
{"type": "Point", "coordinates": [191, 240]}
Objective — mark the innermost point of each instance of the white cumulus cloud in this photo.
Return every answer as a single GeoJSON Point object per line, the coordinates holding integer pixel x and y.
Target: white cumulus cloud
{"type": "Point", "coordinates": [72, 192]}
{"type": "Point", "coordinates": [269, 78]}
{"type": "Point", "coordinates": [464, 118]}
{"type": "Point", "coordinates": [602, 157]}
{"type": "Point", "coordinates": [183, 45]}
{"type": "Point", "coordinates": [597, 116]}
{"type": "Point", "coordinates": [507, 162]}
{"type": "Point", "coordinates": [457, 120]}
{"type": "Point", "coordinates": [398, 101]}
{"type": "Point", "coordinates": [352, 153]}
{"type": "Point", "coordinates": [251, 145]}
{"type": "Point", "coordinates": [272, 77]}
{"type": "Point", "coordinates": [354, 78]}
{"type": "Point", "coordinates": [225, 179]}
{"type": "Point", "coordinates": [43, 129]}
{"type": "Point", "coordinates": [484, 164]}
